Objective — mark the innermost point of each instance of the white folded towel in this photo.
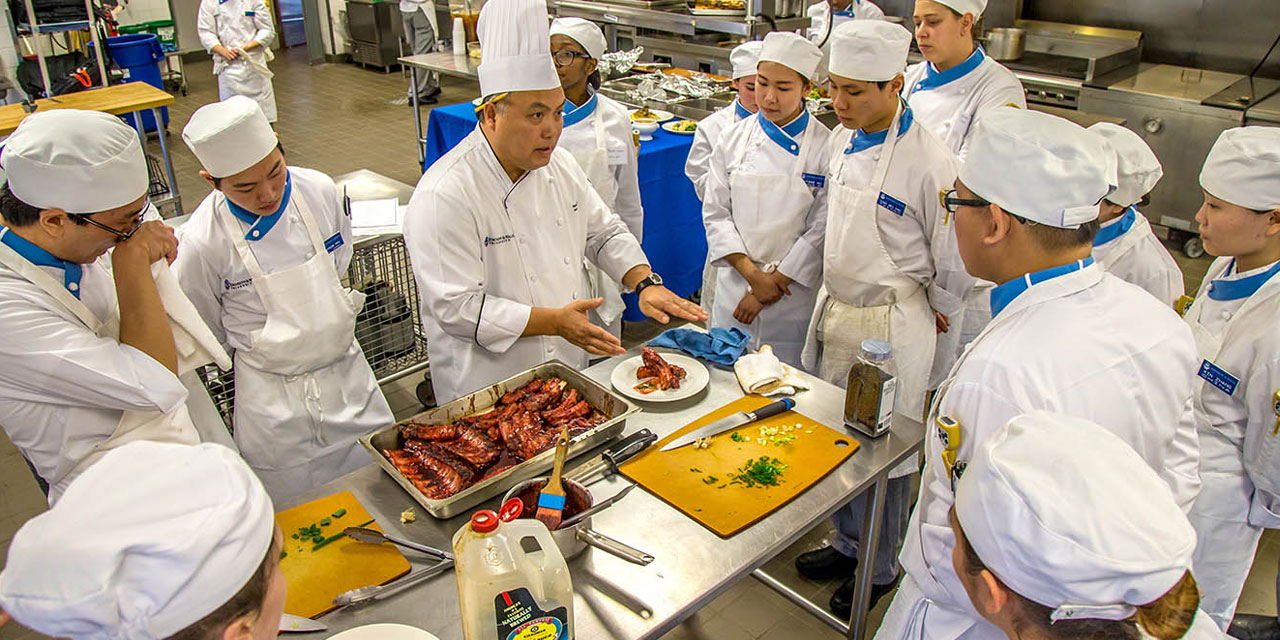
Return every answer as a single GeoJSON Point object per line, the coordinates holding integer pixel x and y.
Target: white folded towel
{"type": "Point", "coordinates": [762, 373]}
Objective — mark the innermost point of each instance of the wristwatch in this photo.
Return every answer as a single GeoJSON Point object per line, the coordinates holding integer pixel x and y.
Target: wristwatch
{"type": "Point", "coordinates": [648, 281]}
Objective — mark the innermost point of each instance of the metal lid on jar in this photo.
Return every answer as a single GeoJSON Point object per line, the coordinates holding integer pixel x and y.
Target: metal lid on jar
{"type": "Point", "coordinates": [874, 350]}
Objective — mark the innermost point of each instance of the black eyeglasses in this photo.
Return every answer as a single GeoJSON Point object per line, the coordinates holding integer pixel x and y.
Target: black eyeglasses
{"type": "Point", "coordinates": [121, 236]}
{"type": "Point", "coordinates": [565, 57]}
{"type": "Point", "coordinates": [950, 202]}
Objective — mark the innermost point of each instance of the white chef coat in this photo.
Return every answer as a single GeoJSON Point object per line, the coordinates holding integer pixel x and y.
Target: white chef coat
{"type": "Point", "coordinates": [949, 102]}
{"type": "Point", "coordinates": [486, 251]}
{"type": "Point", "coordinates": [1078, 341]}
{"type": "Point", "coordinates": [63, 389]}
{"type": "Point", "coordinates": [1238, 463]}
{"type": "Point", "coordinates": [233, 24]}
{"type": "Point", "coordinates": [1127, 248]}
{"type": "Point", "coordinates": [705, 140]}
{"type": "Point", "coordinates": [215, 278]}
{"type": "Point", "coordinates": [428, 7]}
{"type": "Point", "coordinates": [858, 10]}
{"type": "Point", "coordinates": [579, 136]}
{"type": "Point", "coordinates": [734, 219]}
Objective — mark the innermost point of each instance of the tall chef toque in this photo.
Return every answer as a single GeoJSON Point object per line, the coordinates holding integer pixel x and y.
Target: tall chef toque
{"type": "Point", "coordinates": [515, 47]}
{"type": "Point", "coordinates": [76, 161]}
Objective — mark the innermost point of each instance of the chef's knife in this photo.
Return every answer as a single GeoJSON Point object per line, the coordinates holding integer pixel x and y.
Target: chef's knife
{"type": "Point", "coordinates": [296, 624]}
{"type": "Point", "coordinates": [616, 454]}
{"type": "Point", "coordinates": [732, 422]}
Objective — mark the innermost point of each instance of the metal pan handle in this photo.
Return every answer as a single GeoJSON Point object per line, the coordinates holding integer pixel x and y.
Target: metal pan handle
{"type": "Point", "coordinates": [613, 547]}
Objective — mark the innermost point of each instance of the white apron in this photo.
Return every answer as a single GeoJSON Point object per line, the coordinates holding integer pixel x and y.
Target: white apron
{"type": "Point", "coordinates": [769, 213]}
{"type": "Point", "coordinates": [595, 162]}
{"type": "Point", "coordinates": [304, 391]}
{"type": "Point", "coordinates": [155, 426]}
{"type": "Point", "coordinates": [1124, 244]}
{"type": "Point", "coordinates": [1225, 540]}
{"type": "Point", "coordinates": [249, 76]}
{"type": "Point", "coordinates": [873, 298]}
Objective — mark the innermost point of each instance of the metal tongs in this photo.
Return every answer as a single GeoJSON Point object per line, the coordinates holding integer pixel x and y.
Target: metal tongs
{"type": "Point", "coordinates": [375, 592]}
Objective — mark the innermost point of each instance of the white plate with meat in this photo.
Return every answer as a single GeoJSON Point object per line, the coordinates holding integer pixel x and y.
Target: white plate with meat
{"type": "Point", "coordinates": [659, 377]}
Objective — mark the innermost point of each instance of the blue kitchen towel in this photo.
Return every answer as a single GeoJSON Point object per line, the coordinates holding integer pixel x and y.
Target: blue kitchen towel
{"type": "Point", "coordinates": [722, 346]}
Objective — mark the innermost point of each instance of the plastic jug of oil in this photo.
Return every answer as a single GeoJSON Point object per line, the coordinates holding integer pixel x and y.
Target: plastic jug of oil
{"type": "Point", "coordinates": [872, 385]}
{"type": "Point", "coordinates": [513, 583]}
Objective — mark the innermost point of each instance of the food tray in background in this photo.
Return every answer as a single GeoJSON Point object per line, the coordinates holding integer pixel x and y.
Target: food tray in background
{"type": "Point", "coordinates": [614, 407]}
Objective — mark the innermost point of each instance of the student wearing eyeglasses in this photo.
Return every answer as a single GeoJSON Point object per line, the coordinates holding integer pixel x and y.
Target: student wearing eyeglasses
{"type": "Point", "coordinates": [597, 131]}
{"type": "Point", "coordinates": [88, 360]}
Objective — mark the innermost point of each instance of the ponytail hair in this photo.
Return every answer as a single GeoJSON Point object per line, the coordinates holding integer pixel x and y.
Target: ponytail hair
{"type": "Point", "coordinates": [1170, 616]}
{"type": "Point", "coordinates": [593, 80]}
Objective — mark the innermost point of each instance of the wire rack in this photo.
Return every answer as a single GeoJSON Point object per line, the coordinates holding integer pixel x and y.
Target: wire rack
{"type": "Point", "coordinates": [157, 186]}
{"type": "Point", "coordinates": [388, 328]}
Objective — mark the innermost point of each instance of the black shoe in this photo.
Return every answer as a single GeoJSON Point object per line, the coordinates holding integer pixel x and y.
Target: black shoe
{"type": "Point", "coordinates": [842, 600]}
{"type": "Point", "coordinates": [826, 564]}
{"type": "Point", "coordinates": [432, 99]}
{"type": "Point", "coordinates": [1250, 626]}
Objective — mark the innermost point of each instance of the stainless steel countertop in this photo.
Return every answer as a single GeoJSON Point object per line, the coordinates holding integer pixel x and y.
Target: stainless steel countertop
{"type": "Point", "coordinates": [444, 62]}
{"type": "Point", "coordinates": [1267, 111]}
{"type": "Point", "coordinates": [615, 599]}
{"type": "Point", "coordinates": [1184, 84]}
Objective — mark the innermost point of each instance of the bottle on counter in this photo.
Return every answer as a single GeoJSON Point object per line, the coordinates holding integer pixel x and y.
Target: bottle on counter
{"type": "Point", "coordinates": [512, 580]}
{"type": "Point", "coordinates": [872, 385]}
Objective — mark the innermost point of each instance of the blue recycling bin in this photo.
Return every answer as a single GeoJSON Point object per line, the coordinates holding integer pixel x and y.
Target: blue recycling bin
{"type": "Point", "coordinates": [139, 56]}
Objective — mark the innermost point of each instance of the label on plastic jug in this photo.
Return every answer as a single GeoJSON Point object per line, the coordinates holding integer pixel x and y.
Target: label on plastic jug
{"type": "Point", "coordinates": [520, 618]}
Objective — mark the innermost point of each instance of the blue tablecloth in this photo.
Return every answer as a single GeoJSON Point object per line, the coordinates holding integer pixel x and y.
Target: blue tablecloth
{"type": "Point", "coordinates": [674, 238]}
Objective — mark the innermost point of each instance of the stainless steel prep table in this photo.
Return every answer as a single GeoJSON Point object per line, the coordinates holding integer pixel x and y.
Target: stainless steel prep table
{"type": "Point", "coordinates": [445, 63]}
{"type": "Point", "coordinates": [693, 566]}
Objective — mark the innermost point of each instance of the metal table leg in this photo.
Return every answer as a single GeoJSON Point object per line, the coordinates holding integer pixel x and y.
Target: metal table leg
{"type": "Point", "coordinates": [168, 162]}
{"type": "Point", "coordinates": [868, 538]}
{"type": "Point", "coordinates": [417, 117]}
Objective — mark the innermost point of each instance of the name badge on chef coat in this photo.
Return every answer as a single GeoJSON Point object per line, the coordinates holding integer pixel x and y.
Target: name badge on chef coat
{"type": "Point", "coordinates": [891, 203]}
{"type": "Point", "coordinates": [617, 155]}
{"type": "Point", "coordinates": [333, 242]}
{"type": "Point", "coordinates": [1218, 377]}
{"type": "Point", "coordinates": [251, 13]}
{"type": "Point", "coordinates": [814, 180]}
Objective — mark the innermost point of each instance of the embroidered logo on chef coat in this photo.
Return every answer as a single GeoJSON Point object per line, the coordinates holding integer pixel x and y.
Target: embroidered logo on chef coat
{"type": "Point", "coordinates": [232, 286]}
{"type": "Point", "coordinates": [490, 240]}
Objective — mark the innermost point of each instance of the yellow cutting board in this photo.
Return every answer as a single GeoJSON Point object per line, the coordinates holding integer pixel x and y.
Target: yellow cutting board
{"type": "Point", "coordinates": [315, 578]}
{"type": "Point", "coordinates": [729, 508]}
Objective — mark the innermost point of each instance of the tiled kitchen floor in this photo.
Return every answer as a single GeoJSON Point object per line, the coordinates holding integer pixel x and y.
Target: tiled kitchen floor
{"type": "Point", "coordinates": [338, 118]}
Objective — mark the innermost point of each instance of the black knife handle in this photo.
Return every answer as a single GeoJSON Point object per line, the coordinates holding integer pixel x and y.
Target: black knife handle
{"type": "Point", "coordinates": [627, 448]}
{"type": "Point", "coordinates": [773, 409]}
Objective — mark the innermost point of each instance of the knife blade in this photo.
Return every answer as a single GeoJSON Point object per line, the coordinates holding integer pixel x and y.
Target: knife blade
{"type": "Point", "coordinates": [731, 422]}
{"type": "Point", "coordinates": [607, 463]}
{"type": "Point", "coordinates": [297, 624]}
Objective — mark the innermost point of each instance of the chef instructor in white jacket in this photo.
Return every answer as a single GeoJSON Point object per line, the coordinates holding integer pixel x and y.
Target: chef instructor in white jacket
{"type": "Point", "coordinates": [261, 260]}
{"type": "Point", "coordinates": [238, 34]}
{"type": "Point", "coordinates": [887, 234]}
{"type": "Point", "coordinates": [497, 228]}
{"type": "Point", "coordinates": [1065, 337]}
{"type": "Point", "coordinates": [88, 361]}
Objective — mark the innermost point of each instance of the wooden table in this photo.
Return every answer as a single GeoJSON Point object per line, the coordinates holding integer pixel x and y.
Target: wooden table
{"type": "Point", "coordinates": [117, 100]}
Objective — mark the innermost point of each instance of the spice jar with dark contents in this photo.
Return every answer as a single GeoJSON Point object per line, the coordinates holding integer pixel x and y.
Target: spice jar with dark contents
{"type": "Point", "coordinates": [868, 397]}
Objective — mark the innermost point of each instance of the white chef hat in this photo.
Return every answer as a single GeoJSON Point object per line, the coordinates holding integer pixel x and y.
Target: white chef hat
{"type": "Point", "coordinates": [1041, 167]}
{"type": "Point", "coordinates": [1068, 515]}
{"type": "Point", "coordinates": [1243, 168]}
{"type": "Point", "coordinates": [869, 50]}
{"type": "Point", "coordinates": [146, 542]}
{"type": "Point", "coordinates": [584, 32]}
{"type": "Point", "coordinates": [77, 161]}
{"type": "Point", "coordinates": [1137, 167]}
{"type": "Point", "coordinates": [791, 50]}
{"type": "Point", "coordinates": [229, 136]}
{"type": "Point", "coordinates": [515, 47]}
{"type": "Point", "coordinates": [976, 7]}
{"type": "Point", "coordinates": [745, 58]}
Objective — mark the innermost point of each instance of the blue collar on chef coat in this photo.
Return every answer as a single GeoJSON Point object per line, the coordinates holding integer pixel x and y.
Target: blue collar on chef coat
{"type": "Point", "coordinates": [785, 137]}
{"type": "Point", "coordinates": [574, 114]}
{"type": "Point", "coordinates": [260, 225]}
{"type": "Point", "coordinates": [1240, 287]}
{"type": "Point", "coordinates": [740, 110]}
{"type": "Point", "coordinates": [1112, 231]}
{"type": "Point", "coordinates": [861, 140]}
{"type": "Point", "coordinates": [1002, 295]}
{"type": "Point", "coordinates": [848, 13]}
{"type": "Point", "coordinates": [934, 78]}
{"type": "Point", "coordinates": [36, 255]}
